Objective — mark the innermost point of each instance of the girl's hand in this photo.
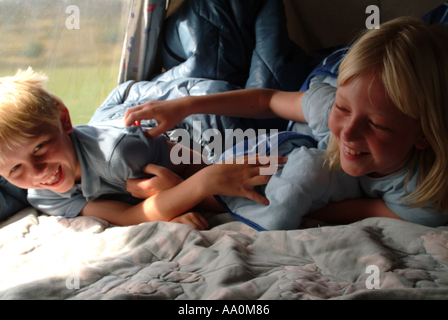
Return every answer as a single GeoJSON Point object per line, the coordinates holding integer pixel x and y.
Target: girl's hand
{"type": "Point", "coordinates": [239, 179]}
{"type": "Point", "coordinates": [193, 219]}
{"type": "Point", "coordinates": [144, 188]}
{"type": "Point", "coordinates": [166, 113]}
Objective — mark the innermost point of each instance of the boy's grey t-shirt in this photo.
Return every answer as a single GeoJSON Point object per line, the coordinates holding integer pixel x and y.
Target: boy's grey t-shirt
{"type": "Point", "coordinates": [316, 105]}
{"type": "Point", "coordinates": [108, 156]}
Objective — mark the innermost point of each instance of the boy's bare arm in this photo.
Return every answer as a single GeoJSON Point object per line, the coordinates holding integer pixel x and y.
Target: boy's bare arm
{"type": "Point", "coordinates": [348, 211]}
{"type": "Point", "coordinates": [225, 179]}
{"type": "Point", "coordinates": [115, 212]}
{"type": "Point", "coordinates": [163, 206]}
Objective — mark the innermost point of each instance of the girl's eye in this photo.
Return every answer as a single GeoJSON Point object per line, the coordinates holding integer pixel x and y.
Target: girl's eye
{"type": "Point", "coordinates": [378, 126]}
{"type": "Point", "coordinates": [340, 108]}
{"type": "Point", "coordinates": [375, 125]}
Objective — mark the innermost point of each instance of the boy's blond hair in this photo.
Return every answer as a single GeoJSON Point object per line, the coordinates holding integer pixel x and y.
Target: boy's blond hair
{"type": "Point", "coordinates": [26, 108]}
{"type": "Point", "coordinates": [411, 60]}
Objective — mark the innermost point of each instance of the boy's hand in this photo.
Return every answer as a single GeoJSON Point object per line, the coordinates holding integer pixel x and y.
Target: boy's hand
{"type": "Point", "coordinates": [144, 188]}
{"type": "Point", "coordinates": [193, 219]}
{"type": "Point", "coordinates": [166, 113]}
{"type": "Point", "coordinates": [239, 179]}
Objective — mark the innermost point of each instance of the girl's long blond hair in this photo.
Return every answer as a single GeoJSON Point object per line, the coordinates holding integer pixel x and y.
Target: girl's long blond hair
{"type": "Point", "coordinates": [411, 59]}
{"type": "Point", "coordinates": [26, 108]}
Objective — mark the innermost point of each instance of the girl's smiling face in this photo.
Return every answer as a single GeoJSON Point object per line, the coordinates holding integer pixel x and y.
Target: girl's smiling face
{"type": "Point", "coordinates": [374, 137]}
{"type": "Point", "coordinates": [48, 161]}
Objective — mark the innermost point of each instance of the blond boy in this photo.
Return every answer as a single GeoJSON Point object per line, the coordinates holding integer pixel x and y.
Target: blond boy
{"type": "Point", "coordinates": [71, 171]}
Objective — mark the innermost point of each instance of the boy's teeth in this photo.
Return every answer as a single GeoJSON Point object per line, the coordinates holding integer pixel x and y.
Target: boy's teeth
{"type": "Point", "coordinates": [52, 178]}
{"type": "Point", "coordinates": [352, 151]}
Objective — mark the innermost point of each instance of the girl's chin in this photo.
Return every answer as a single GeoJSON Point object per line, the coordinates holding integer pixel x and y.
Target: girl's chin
{"type": "Point", "coordinates": [352, 171]}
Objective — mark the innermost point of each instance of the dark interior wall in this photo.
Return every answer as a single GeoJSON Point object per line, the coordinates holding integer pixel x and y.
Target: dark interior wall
{"type": "Point", "coordinates": [320, 24]}
{"type": "Point", "coordinates": [317, 24]}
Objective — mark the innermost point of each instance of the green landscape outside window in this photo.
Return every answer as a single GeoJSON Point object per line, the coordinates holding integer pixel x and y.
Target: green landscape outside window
{"type": "Point", "coordinates": [77, 44]}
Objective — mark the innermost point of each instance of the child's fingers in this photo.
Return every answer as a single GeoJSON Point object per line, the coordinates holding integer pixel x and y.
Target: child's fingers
{"type": "Point", "coordinates": [197, 220]}
{"type": "Point", "coordinates": [133, 186]}
{"type": "Point", "coordinates": [269, 170]}
{"type": "Point", "coordinates": [156, 131]}
{"type": "Point", "coordinates": [134, 114]}
{"type": "Point", "coordinates": [193, 219]}
{"type": "Point", "coordinates": [257, 160]}
{"type": "Point", "coordinates": [154, 169]}
{"type": "Point", "coordinates": [270, 160]}
{"type": "Point", "coordinates": [262, 174]}
{"type": "Point", "coordinates": [202, 223]}
{"type": "Point", "coordinates": [255, 196]}
{"type": "Point", "coordinates": [134, 117]}
{"type": "Point", "coordinates": [260, 180]}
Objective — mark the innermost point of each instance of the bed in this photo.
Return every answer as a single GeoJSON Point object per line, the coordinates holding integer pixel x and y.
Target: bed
{"type": "Point", "coordinates": [85, 258]}
{"type": "Point", "coordinates": [48, 257]}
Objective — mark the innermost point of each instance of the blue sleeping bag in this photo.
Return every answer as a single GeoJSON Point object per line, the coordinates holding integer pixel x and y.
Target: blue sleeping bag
{"type": "Point", "coordinates": [216, 46]}
{"type": "Point", "coordinates": [245, 43]}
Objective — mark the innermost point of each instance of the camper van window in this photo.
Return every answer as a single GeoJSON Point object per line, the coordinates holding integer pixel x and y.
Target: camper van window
{"type": "Point", "coordinates": [77, 44]}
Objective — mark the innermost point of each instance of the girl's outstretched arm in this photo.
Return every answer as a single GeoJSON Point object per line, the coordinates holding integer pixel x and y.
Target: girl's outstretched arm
{"type": "Point", "coordinates": [245, 103]}
{"type": "Point", "coordinates": [348, 211]}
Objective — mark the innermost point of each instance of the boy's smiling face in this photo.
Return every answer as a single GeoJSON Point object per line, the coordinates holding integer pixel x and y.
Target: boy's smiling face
{"type": "Point", "coordinates": [48, 161]}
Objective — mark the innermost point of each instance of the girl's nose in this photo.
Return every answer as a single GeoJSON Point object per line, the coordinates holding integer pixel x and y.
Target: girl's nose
{"type": "Point", "coordinates": [352, 131]}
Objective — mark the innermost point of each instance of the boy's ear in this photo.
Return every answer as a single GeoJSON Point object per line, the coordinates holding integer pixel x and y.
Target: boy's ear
{"type": "Point", "coordinates": [422, 143]}
{"type": "Point", "coordinates": [64, 117]}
